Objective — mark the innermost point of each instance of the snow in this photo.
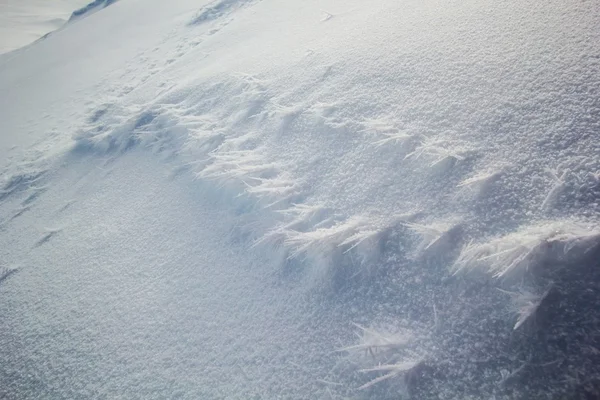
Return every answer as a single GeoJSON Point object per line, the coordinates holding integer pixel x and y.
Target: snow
{"type": "Point", "coordinates": [22, 22]}
{"type": "Point", "coordinates": [259, 199]}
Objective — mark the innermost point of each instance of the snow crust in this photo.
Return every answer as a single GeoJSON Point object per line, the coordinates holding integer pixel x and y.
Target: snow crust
{"type": "Point", "coordinates": [340, 199]}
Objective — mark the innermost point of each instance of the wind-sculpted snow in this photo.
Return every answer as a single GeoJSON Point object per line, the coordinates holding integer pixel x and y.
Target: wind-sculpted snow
{"type": "Point", "coordinates": [519, 253]}
{"type": "Point", "coordinates": [417, 189]}
{"type": "Point", "coordinates": [230, 148]}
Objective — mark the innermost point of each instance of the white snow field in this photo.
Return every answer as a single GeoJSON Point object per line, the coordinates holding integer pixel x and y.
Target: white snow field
{"type": "Point", "coordinates": [22, 22]}
{"type": "Point", "coordinates": [246, 199]}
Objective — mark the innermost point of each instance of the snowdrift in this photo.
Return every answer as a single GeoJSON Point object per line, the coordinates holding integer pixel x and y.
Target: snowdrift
{"type": "Point", "coordinates": [251, 199]}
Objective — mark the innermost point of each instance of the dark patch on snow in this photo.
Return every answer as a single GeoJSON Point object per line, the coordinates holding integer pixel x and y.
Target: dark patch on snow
{"type": "Point", "coordinates": [99, 113]}
{"type": "Point", "coordinates": [5, 273]}
{"type": "Point", "coordinates": [34, 195]}
{"type": "Point", "coordinates": [108, 138]}
{"type": "Point", "coordinates": [45, 238]}
{"type": "Point", "coordinates": [90, 7]}
{"type": "Point", "coordinates": [218, 9]}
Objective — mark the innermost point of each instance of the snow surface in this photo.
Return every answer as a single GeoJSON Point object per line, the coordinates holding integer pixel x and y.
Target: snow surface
{"type": "Point", "coordinates": [303, 200]}
{"type": "Point", "coordinates": [22, 22]}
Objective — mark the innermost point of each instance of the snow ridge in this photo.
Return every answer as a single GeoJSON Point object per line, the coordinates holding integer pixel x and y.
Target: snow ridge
{"type": "Point", "coordinates": [91, 7]}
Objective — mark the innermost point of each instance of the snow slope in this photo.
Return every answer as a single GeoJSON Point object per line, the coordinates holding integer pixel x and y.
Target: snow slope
{"type": "Point", "coordinates": [260, 199]}
{"type": "Point", "coordinates": [22, 22]}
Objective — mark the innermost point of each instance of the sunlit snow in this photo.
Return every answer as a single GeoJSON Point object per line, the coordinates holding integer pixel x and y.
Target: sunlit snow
{"type": "Point", "coordinates": [260, 199]}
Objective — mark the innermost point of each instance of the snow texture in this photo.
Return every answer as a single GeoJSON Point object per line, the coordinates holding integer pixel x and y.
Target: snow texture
{"type": "Point", "coordinates": [246, 199]}
{"type": "Point", "coordinates": [23, 22]}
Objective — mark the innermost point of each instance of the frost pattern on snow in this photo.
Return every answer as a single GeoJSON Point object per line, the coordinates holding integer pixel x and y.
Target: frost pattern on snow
{"type": "Point", "coordinates": [331, 183]}
{"type": "Point", "coordinates": [526, 304]}
{"type": "Point", "coordinates": [515, 254]}
{"type": "Point", "coordinates": [434, 169]}
{"type": "Point", "coordinates": [390, 352]}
